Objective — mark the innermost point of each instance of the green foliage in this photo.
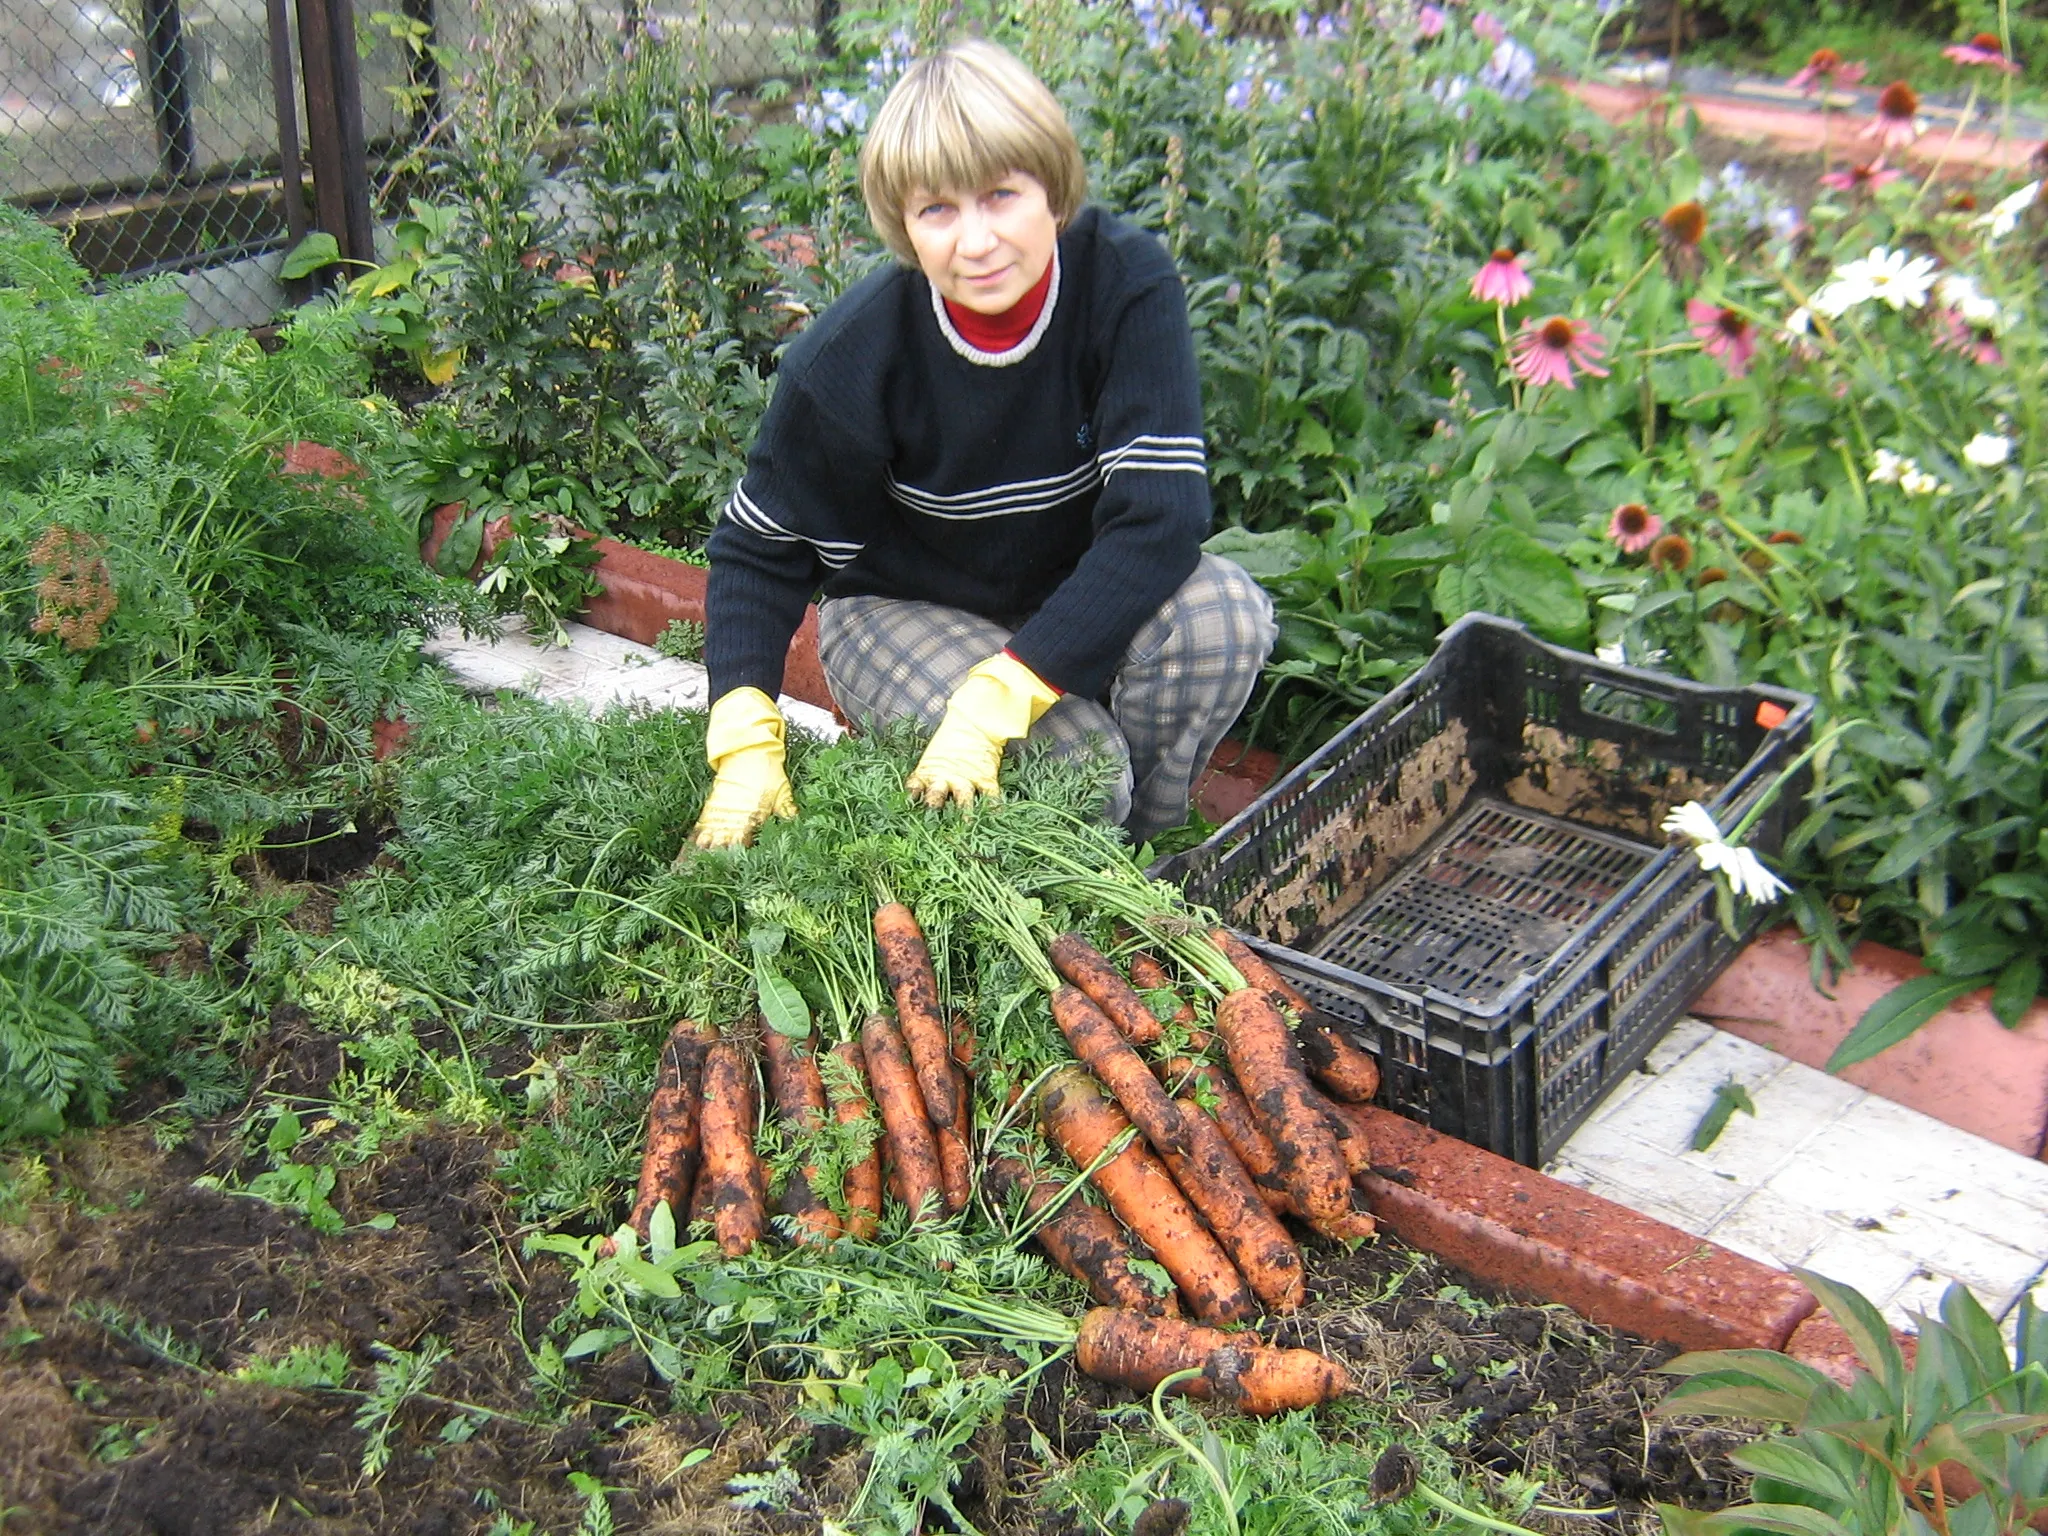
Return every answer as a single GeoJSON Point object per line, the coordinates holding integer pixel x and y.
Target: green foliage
{"type": "Point", "coordinates": [1865, 1459]}
{"type": "Point", "coordinates": [197, 630]}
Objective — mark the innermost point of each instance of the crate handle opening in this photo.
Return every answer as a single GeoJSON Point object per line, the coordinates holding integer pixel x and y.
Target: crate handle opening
{"type": "Point", "coordinates": [1613, 700]}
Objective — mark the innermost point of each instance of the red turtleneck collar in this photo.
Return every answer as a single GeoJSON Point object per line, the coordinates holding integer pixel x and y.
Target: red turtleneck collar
{"type": "Point", "coordinates": [999, 333]}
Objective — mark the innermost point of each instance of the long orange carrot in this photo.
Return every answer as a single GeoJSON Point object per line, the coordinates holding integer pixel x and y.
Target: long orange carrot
{"type": "Point", "coordinates": [1268, 1065]}
{"type": "Point", "coordinates": [1083, 965]}
{"type": "Point", "coordinates": [1110, 1057]}
{"type": "Point", "coordinates": [1140, 1352]}
{"type": "Point", "coordinates": [799, 1094]}
{"type": "Point", "coordinates": [734, 1174]}
{"type": "Point", "coordinates": [847, 1089]}
{"type": "Point", "coordinates": [1240, 1127]}
{"type": "Point", "coordinates": [668, 1168]}
{"type": "Point", "coordinates": [1342, 1069]}
{"type": "Point", "coordinates": [1216, 1183]}
{"type": "Point", "coordinates": [1082, 1239]}
{"type": "Point", "coordinates": [955, 1158]}
{"type": "Point", "coordinates": [1084, 1123]}
{"type": "Point", "coordinates": [907, 966]}
{"type": "Point", "coordinates": [912, 1152]}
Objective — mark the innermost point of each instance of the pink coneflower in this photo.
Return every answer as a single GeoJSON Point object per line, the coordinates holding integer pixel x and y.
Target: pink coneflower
{"type": "Point", "coordinates": [1861, 178]}
{"type": "Point", "coordinates": [1897, 123]}
{"type": "Point", "coordinates": [1722, 333]}
{"type": "Point", "coordinates": [1488, 26]}
{"type": "Point", "coordinates": [1545, 351]}
{"type": "Point", "coordinates": [1976, 342]}
{"type": "Point", "coordinates": [1985, 49]}
{"type": "Point", "coordinates": [1634, 527]}
{"type": "Point", "coordinates": [1825, 68]}
{"type": "Point", "coordinates": [1429, 21]}
{"type": "Point", "coordinates": [1502, 280]}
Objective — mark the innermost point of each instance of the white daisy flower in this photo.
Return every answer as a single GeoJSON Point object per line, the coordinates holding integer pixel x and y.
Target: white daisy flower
{"type": "Point", "coordinates": [1959, 291]}
{"type": "Point", "coordinates": [1886, 467]}
{"type": "Point", "coordinates": [1900, 280]}
{"type": "Point", "coordinates": [1800, 321]}
{"type": "Point", "coordinates": [1837, 298]}
{"type": "Point", "coordinates": [1744, 871]}
{"type": "Point", "coordinates": [1987, 450]}
{"type": "Point", "coordinates": [2004, 218]}
{"type": "Point", "coordinates": [1915, 481]}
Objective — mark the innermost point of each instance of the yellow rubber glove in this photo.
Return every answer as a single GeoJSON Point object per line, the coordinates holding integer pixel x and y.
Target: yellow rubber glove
{"type": "Point", "coordinates": [995, 704]}
{"type": "Point", "coordinates": [744, 747]}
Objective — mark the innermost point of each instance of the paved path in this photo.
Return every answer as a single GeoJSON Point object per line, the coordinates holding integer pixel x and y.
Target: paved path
{"type": "Point", "coordinates": [1823, 1175]}
{"type": "Point", "coordinates": [1770, 112]}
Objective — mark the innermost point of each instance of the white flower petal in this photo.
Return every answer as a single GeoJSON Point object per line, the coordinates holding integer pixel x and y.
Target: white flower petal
{"type": "Point", "coordinates": [1987, 450]}
{"type": "Point", "coordinates": [1693, 820]}
{"type": "Point", "coordinates": [1747, 874]}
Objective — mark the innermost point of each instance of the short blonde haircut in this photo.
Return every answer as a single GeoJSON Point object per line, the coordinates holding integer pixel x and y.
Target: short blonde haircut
{"type": "Point", "coordinates": [963, 118]}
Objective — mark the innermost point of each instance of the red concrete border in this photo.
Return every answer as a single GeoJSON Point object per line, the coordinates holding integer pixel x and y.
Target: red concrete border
{"type": "Point", "coordinates": [1962, 1067]}
{"type": "Point", "coordinates": [1528, 1233]}
{"type": "Point", "coordinates": [1799, 130]}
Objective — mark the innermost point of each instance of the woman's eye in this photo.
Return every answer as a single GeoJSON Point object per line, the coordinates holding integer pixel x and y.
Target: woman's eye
{"type": "Point", "coordinates": [931, 210]}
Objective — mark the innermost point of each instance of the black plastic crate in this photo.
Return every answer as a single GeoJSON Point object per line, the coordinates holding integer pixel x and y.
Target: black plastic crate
{"type": "Point", "coordinates": [1473, 877]}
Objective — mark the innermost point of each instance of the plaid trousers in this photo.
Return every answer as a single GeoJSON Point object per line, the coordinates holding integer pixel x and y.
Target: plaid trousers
{"type": "Point", "coordinates": [1180, 686]}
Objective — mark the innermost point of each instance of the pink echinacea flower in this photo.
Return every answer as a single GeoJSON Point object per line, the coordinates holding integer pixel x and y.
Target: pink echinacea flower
{"type": "Point", "coordinates": [1488, 26]}
{"type": "Point", "coordinates": [1634, 527]}
{"type": "Point", "coordinates": [1976, 342]}
{"type": "Point", "coordinates": [1897, 123]}
{"type": "Point", "coordinates": [1502, 280]}
{"type": "Point", "coordinates": [1825, 68]}
{"type": "Point", "coordinates": [1429, 21]}
{"type": "Point", "coordinates": [1984, 49]}
{"type": "Point", "coordinates": [1722, 333]}
{"type": "Point", "coordinates": [1861, 178]}
{"type": "Point", "coordinates": [1546, 351]}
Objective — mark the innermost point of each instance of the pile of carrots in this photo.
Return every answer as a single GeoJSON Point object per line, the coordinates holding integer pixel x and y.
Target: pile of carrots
{"type": "Point", "coordinates": [1201, 1156]}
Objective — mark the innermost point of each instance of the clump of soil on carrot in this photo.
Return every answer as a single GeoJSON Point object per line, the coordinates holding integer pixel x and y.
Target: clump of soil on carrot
{"type": "Point", "coordinates": [102, 1433]}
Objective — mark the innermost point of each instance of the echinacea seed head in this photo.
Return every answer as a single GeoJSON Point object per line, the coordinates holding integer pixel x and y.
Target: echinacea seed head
{"type": "Point", "coordinates": [1557, 332]}
{"type": "Point", "coordinates": [1898, 100]}
{"type": "Point", "coordinates": [1685, 222]}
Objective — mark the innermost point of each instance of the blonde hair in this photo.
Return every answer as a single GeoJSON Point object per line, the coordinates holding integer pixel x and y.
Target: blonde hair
{"type": "Point", "coordinates": [963, 118]}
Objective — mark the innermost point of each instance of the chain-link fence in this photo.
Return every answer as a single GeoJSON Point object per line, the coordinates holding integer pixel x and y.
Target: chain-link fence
{"type": "Point", "coordinates": [204, 137]}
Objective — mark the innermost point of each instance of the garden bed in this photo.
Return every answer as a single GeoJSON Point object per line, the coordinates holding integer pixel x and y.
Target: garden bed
{"type": "Point", "coordinates": [132, 1297]}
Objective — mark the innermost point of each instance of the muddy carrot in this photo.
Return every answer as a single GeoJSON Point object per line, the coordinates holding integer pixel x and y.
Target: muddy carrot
{"type": "Point", "coordinates": [1354, 1136]}
{"type": "Point", "coordinates": [963, 1041]}
{"type": "Point", "coordinates": [1340, 1067]}
{"type": "Point", "coordinates": [799, 1094]}
{"type": "Point", "coordinates": [907, 965]}
{"type": "Point", "coordinates": [955, 1157]}
{"type": "Point", "coordinates": [668, 1167]}
{"type": "Point", "coordinates": [1140, 1352]}
{"type": "Point", "coordinates": [912, 1151]}
{"type": "Point", "coordinates": [847, 1089]}
{"type": "Point", "coordinates": [1148, 975]}
{"type": "Point", "coordinates": [1217, 1185]}
{"type": "Point", "coordinates": [730, 1166]}
{"type": "Point", "coordinates": [1122, 1071]}
{"type": "Point", "coordinates": [1083, 965]}
{"type": "Point", "coordinates": [1240, 1127]}
{"type": "Point", "coordinates": [1268, 1066]}
{"type": "Point", "coordinates": [1082, 1239]}
{"type": "Point", "coordinates": [1084, 1123]}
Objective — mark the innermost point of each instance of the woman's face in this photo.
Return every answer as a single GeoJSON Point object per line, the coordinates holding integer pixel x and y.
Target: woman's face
{"type": "Point", "coordinates": [983, 250]}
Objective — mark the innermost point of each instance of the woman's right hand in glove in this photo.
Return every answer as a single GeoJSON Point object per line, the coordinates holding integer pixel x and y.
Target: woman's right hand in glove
{"type": "Point", "coordinates": [744, 745]}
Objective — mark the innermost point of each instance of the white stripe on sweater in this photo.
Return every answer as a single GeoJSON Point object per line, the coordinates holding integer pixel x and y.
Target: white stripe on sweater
{"type": "Point", "coordinates": [745, 511]}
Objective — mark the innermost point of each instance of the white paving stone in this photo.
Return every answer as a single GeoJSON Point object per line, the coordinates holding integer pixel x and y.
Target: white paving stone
{"type": "Point", "coordinates": [1824, 1176]}
{"type": "Point", "coordinates": [596, 670]}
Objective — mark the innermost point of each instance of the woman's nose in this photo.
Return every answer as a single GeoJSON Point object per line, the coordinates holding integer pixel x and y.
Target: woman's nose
{"type": "Point", "coordinates": [977, 233]}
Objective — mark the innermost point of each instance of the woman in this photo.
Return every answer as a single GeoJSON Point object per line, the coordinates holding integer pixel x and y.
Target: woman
{"type": "Point", "coordinates": [989, 457]}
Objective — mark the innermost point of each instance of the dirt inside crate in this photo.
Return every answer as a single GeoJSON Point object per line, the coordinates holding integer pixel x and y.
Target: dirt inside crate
{"type": "Point", "coordinates": [1344, 860]}
{"type": "Point", "coordinates": [1601, 785]}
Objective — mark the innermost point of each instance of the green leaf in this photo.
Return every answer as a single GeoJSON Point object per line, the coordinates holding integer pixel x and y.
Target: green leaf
{"type": "Point", "coordinates": [1868, 1332]}
{"type": "Point", "coordinates": [782, 1005]}
{"type": "Point", "coordinates": [595, 1341]}
{"type": "Point", "coordinates": [285, 1133]}
{"type": "Point", "coordinates": [2014, 992]}
{"type": "Point", "coordinates": [1897, 1014]}
{"type": "Point", "coordinates": [317, 250]}
{"type": "Point", "coordinates": [1788, 1463]}
{"type": "Point", "coordinates": [661, 1232]}
{"type": "Point", "coordinates": [1266, 556]}
{"type": "Point", "coordinates": [1728, 1098]}
{"type": "Point", "coordinates": [648, 1277]}
{"type": "Point", "coordinates": [1537, 583]}
{"type": "Point", "coordinates": [465, 542]}
{"type": "Point", "coordinates": [1313, 439]}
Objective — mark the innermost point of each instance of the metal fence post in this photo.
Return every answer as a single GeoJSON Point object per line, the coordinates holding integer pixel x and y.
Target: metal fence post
{"type": "Point", "coordinates": [334, 125]}
{"type": "Point", "coordinates": [170, 92]}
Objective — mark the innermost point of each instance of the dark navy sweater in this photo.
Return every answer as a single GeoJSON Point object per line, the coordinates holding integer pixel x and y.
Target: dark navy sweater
{"type": "Point", "coordinates": [1059, 488]}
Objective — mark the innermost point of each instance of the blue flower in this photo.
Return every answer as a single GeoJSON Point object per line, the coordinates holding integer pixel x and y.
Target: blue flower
{"type": "Point", "coordinates": [1243, 91]}
{"type": "Point", "coordinates": [833, 113]}
{"type": "Point", "coordinates": [1511, 72]}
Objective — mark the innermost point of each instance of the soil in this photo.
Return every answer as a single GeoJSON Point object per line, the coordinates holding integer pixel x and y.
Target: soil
{"type": "Point", "coordinates": [129, 1297]}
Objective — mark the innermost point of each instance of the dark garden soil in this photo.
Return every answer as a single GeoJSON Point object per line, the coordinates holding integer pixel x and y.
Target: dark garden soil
{"type": "Point", "coordinates": [130, 1295]}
